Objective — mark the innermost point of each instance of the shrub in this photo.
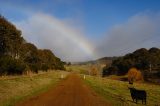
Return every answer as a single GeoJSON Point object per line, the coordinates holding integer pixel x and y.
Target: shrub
{"type": "Point", "coordinates": [34, 67]}
{"type": "Point", "coordinates": [9, 65]}
{"type": "Point", "coordinates": [44, 67]}
{"type": "Point", "coordinates": [134, 75]}
{"type": "Point", "coordinates": [94, 71]}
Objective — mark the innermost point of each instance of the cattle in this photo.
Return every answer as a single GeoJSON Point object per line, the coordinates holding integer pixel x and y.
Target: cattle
{"type": "Point", "coordinates": [138, 95]}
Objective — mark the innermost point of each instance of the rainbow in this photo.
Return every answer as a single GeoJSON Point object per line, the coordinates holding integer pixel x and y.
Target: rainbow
{"type": "Point", "coordinates": [74, 35]}
{"type": "Point", "coordinates": [36, 27]}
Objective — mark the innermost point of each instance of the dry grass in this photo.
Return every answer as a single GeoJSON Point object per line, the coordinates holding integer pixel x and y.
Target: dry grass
{"type": "Point", "coordinates": [88, 69]}
{"type": "Point", "coordinates": [82, 69]}
{"type": "Point", "coordinates": [17, 88]}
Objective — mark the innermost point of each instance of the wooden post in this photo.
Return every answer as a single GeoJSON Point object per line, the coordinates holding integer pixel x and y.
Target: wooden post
{"type": "Point", "coordinates": [84, 77]}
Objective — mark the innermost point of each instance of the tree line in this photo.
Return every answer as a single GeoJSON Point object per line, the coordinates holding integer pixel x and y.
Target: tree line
{"type": "Point", "coordinates": [148, 61]}
{"type": "Point", "coordinates": [18, 56]}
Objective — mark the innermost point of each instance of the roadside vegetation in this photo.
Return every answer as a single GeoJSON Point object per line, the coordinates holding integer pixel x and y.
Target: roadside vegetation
{"type": "Point", "coordinates": [18, 88]}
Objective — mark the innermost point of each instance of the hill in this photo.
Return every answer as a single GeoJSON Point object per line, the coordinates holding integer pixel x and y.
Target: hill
{"type": "Point", "coordinates": [103, 60]}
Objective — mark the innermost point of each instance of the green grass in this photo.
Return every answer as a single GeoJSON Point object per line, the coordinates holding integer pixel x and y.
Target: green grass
{"type": "Point", "coordinates": [116, 91]}
{"type": "Point", "coordinates": [118, 94]}
{"type": "Point", "coordinates": [18, 88]}
{"type": "Point", "coordinates": [82, 69]}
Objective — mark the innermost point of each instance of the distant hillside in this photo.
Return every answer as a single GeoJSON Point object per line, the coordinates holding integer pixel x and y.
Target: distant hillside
{"type": "Point", "coordinates": [104, 60]}
{"type": "Point", "coordinates": [146, 60]}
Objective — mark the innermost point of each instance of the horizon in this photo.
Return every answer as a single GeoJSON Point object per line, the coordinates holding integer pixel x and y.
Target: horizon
{"type": "Point", "coordinates": [86, 30]}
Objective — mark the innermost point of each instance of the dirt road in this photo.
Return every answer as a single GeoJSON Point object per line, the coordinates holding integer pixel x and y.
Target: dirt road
{"type": "Point", "coordinates": [70, 92]}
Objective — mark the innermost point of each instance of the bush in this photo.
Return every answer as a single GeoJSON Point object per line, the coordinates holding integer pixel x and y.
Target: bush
{"type": "Point", "coordinates": [134, 75]}
{"type": "Point", "coordinates": [44, 67]}
{"type": "Point", "coordinates": [34, 68]}
{"type": "Point", "coordinates": [59, 66]}
{"type": "Point", "coordinates": [9, 65]}
{"type": "Point", "coordinates": [94, 70]}
{"type": "Point", "coordinates": [109, 71]}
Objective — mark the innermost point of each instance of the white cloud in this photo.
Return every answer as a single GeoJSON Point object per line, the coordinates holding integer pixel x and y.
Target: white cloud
{"type": "Point", "coordinates": [69, 43]}
{"type": "Point", "coordinates": [141, 30]}
{"type": "Point", "coordinates": [64, 40]}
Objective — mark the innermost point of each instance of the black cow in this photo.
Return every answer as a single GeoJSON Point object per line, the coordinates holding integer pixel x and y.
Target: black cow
{"type": "Point", "coordinates": [138, 95]}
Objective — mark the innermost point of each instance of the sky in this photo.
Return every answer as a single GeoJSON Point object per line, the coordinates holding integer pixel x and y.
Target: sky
{"type": "Point", "coordinates": [81, 30]}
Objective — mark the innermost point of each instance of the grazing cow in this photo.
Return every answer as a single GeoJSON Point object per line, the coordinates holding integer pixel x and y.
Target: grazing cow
{"type": "Point", "coordinates": [138, 95]}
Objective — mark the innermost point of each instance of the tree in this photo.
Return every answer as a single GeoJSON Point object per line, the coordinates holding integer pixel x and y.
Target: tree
{"type": "Point", "coordinates": [9, 66]}
{"type": "Point", "coordinates": [109, 71]}
{"type": "Point", "coordinates": [49, 60]}
{"type": "Point", "coordinates": [134, 75]}
{"type": "Point", "coordinates": [16, 54]}
{"type": "Point", "coordinates": [10, 38]}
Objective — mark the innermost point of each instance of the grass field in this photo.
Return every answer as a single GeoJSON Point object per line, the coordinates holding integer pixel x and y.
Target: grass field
{"type": "Point", "coordinates": [82, 69]}
{"type": "Point", "coordinates": [118, 94]}
{"type": "Point", "coordinates": [18, 88]}
{"type": "Point", "coordinates": [116, 91]}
